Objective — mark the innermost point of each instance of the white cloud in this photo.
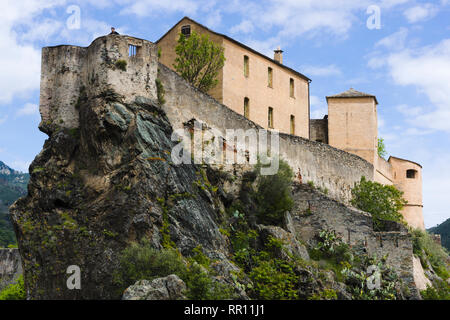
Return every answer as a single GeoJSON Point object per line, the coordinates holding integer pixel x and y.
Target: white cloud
{"type": "Point", "coordinates": [321, 71]}
{"type": "Point", "coordinates": [3, 119]}
{"type": "Point", "coordinates": [28, 110]}
{"type": "Point", "coordinates": [20, 60]}
{"type": "Point", "coordinates": [144, 8]}
{"type": "Point", "coordinates": [421, 12]}
{"type": "Point", "coordinates": [395, 41]}
{"type": "Point", "coordinates": [245, 26]}
{"type": "Point", "coordinates": [319, 107]}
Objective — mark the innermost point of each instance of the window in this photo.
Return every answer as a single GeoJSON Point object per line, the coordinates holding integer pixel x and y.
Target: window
{"type": "Point", "coordinates": [292, 88]}
{"type": "Point", "coordinates": [270, 77]}
{"type": "Point", "coordinates": [246, 66]}
{"type": "Point", "coordinates": [186, 31]}
{"type": "Point", "coordinates": [411, 174]}
{"type": "Point", "coordinates": [132, 50]}
{"type": "Point", "coordinates": [292, 124]}
{"type": "Point", "coordinates": [246, 107]}
{"type": "Point", "coordinates": [270, 118]}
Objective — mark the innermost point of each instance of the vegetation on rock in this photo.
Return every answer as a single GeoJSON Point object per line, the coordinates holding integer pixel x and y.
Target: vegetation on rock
{"type": "Point", "coordinates": [14, 291]}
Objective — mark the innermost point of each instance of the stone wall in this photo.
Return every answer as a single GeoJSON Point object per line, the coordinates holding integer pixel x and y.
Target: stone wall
{"type": "Point", "coordinates": [10, 266]}
{"type": "Point", "coordinates": [72, 74]}
{"type": "Point", "coordinates": [318, 130]}
{"type": "Point", "coordinates": [313, 211]}
{"type": "Point", "coordinates": [327, 167]}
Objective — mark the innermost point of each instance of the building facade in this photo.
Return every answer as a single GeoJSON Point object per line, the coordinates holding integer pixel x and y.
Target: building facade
{"type": "Point", "coordinates": [352, 125]}
{"type": "Point", "coordinates": [250, 83]}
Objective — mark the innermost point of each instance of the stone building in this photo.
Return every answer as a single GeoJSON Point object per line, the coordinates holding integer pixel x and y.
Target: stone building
{"type": "Point", "coordinates": [250, 83]}
{"type": "Point", "coordinates": [352, 125]}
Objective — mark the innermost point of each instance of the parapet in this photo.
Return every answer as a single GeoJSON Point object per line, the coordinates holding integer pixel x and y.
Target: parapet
{"type": "Point", "coordinates": [124, 65]}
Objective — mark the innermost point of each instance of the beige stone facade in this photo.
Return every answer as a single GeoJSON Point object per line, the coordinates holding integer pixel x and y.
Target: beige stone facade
{"type": "Point", "coordinates": [251, 79]}
{"type": "Point", "coordinates": [352, 126]}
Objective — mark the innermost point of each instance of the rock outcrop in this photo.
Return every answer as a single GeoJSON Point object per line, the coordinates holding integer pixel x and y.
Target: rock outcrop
{"type": "Point", "coordinates": [96, 188]}
{"type": "Point", "coordinates": [10, 266]}
{"type": "Point", "coordinates": [167, 288]}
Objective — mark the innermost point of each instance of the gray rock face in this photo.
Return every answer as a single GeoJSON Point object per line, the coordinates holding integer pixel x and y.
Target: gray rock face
{"type": "Point", "coordinates": [95, 189]}
{"type": "Point", "coordinates": [10, 266]}
{"type": "Point", "coordinates": [167, 288]}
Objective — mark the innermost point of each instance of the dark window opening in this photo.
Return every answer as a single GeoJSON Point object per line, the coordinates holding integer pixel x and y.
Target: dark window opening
{"type": "Point", "coordinates": [411, 174]}
{"type": "Point", "coordinates": [292, 88]}
{"type": "Point", "coordinates": [186, 31]}
{"type": "Point", "coordinates": [246, 66]}
{"type": "Point", "coordinates": [246, 107]}
{"type": "Point", "coordinates": [292, 124]}
{"type": "Point", "coordinates": [270, 118]}
{"type": "Point", "coordinates": [270, 77]}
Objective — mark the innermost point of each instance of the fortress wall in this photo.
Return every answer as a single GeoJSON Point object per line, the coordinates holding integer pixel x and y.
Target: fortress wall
{"type": "Point", "coordinates": [383, 172]}
{"type": "Point", "coordinates": [315, 211]}
{"type": "Point", "coordinates": [318, 130]}
{"type": "Point", "coordinates": [327, 167]}
{"type": "Point", "coordinates": [69, 71]}
{"type": "Point", "coordinates": [61, 79]}
{"type": "Point", "coordinates": [10, 266]}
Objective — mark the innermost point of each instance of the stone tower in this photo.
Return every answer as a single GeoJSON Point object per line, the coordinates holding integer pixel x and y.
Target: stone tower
{"type": "Point", "coordinates": [352, 126]}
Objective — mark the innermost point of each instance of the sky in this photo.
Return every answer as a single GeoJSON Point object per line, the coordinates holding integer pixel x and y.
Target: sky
{"type": "Point", "coordinates": [398, 50]}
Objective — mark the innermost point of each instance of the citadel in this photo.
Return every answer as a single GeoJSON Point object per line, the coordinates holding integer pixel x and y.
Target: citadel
{"type": "Point", "coordinates": [109, 137]}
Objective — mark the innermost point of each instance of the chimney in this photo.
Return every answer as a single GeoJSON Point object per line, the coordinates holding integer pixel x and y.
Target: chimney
{"type": "Point", "coordinates": [278, 56]}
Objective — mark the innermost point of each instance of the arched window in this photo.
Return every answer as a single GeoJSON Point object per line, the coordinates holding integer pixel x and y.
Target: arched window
{"type": "Point", "coordinates": [411, 174]}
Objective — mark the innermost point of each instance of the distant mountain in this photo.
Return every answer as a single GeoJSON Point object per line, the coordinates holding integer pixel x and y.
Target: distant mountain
{"type": "Point", "coordinates": [444, 230]}
{"type": "Point", "coordinates": [13, 185]}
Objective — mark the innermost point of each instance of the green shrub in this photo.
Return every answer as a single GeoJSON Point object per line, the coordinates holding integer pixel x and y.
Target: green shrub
{"type": "Point", "coordinates": [15, 291]}
{"type": "Point", "coordinates": [331, 247]}
{"type": "Point", "coordinates": [121, 65]}
{"type": "Point", "coordinates": [441, 291]}
{"type": "Point", "coordinates": [427, 250]}
{"type": "Point", "coordinates": [160, 91]}
{"type": "Point", "coordinates": [274, 195]}
{"type": "Point", "coordinates": [382, 201]}
{"type": "Point", "coordinates": [141, 261]}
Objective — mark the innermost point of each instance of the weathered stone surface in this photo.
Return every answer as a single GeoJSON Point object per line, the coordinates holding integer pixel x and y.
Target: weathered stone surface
{"type": "Point", "coordinates": [420, 279]}
{"type": "Point", "coordinates": [291, 245]}
{"type": "Point", "coordinates": [95, 189]}
{"type": "Point", "coordinates": [10, 266]}
{"type": "Point", "coordinates": [167, 288]}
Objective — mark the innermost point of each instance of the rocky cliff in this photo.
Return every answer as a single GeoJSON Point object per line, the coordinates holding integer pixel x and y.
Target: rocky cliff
{"type": "Point", "coordinates": [10, 266]}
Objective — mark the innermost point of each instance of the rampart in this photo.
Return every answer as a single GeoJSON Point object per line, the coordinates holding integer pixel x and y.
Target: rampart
{"type": "Point", "coordinates": [120, 65]}
{"type": "Point", "coordinates": [327, 167]}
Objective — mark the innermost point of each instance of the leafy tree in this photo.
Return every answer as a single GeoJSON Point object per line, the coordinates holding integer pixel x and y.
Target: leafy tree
{"type": "Point", "coordinates": [382, 148]}
{"type": "Point", "coordinates": [382, 201]}
{"type": "Point", "coordinates": [199, 60]}
{"type": "Point", "coordinates": [274, 195]}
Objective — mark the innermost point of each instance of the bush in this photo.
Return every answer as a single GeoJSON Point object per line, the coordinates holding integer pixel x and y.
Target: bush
{"type": "Point", "coordinates": [382, 201]}
{"type": "Point", "coordinates": [441, 291]}
{"type": "Point", "coordinates": [427, 250]}
{"type": "Point", "coordinates": [274, 195]}
{"type": "Point", "coordinates": [15, 291]}
{"type": "Point", "coordinates": [143, 262]}
{"type": "Point", "coordinates": [121, 65]}
{"type": "Point", "coordinates": [140, 261]}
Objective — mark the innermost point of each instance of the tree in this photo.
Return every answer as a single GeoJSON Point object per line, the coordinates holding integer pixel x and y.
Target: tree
{"type": "Point", "coordinates": [381, 148]}
{"type": "Point", "coordinates": [274, 194]}
{"type": "Point", "coordinates": [382, 201]}
{"type": "Point", "coordinates": [199, 60]}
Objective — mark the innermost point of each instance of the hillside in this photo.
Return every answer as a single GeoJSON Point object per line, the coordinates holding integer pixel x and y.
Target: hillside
{"type": "Point", "coordinates": [13, 185]}
{"type": "Point", "coordinates": [444, 230]}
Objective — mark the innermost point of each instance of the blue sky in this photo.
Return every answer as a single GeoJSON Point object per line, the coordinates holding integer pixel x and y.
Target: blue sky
{"type": "Point", "coordinates": [405, 62]}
